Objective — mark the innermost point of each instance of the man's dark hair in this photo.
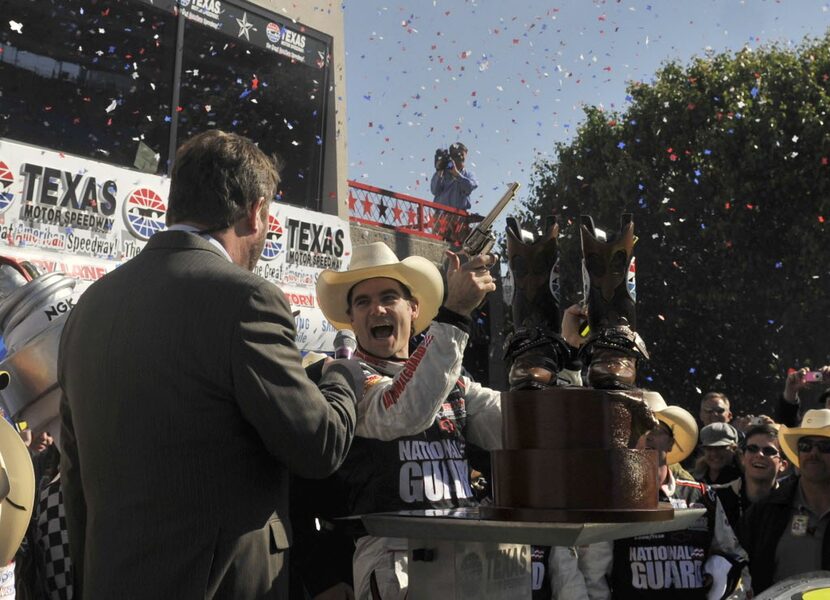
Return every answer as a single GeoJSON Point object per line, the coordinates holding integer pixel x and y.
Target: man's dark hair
{"type": "Point", "coordinates": [217, 177]}
{"type": "Point", "coordinates": [457, 149]}
{"type": "Point", "coordinates": [407, 294]}
{"type": "Point", "coordinates": [760, 429]}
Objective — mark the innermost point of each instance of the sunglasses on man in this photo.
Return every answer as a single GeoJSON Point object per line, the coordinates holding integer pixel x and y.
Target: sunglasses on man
{"type": "Point", "coordinates": [807, 445]}
{"type": "Point", "coordinates": [714, 411]}
{"type": "Point", "coordinates": [765, 450]}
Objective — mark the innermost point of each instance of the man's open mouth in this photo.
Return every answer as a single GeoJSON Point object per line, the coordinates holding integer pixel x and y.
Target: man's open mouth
{"type": "Point", "coordinates": [382, 331]}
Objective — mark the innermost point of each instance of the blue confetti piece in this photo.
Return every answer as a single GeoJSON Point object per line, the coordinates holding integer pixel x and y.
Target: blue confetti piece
{"type": "Point", "coordinates": [707, 152]}
{"type": "Point", "coordinates": [649, 378]}
{"type": "Point", "coordinates": [779, 265]}
{"type": "Point", "coordinates": [692, 370]}
{"type": "Point", "coordinates": [621, 145]}
{"type": "Point", "coordinates": [754, 92]}
{"type": "Point", "coordinates": [245, 93]}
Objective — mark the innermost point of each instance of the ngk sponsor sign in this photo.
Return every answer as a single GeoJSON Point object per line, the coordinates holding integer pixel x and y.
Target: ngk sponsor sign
{"type": "Point", "coordinates": [83, 218]}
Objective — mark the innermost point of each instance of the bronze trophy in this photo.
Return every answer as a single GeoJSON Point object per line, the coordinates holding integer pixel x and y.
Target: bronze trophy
{"type": "Point", "coordinates": [536, 351]}
{"type": "Point", "coordinates": [568, 452]}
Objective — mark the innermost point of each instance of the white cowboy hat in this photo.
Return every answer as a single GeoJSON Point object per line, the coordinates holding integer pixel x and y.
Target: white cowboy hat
{"type": "Point", "coordinates": [417, 273]}
{"type": "Point", "coordinates": [17, 487]}
{"type": "Point", "coordinates": [816, 422]}
{"type": "Point", "coordinates": [681, 423]}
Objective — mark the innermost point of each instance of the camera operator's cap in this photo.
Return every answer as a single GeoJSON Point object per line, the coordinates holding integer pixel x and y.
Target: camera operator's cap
{"type": "Point", "coordinates": [816, 422]}
{"type": "Point", "coordinates": [418, 274]}
{"type": "Point", "coordinates": [718, 434]}
{"type": "Point", "coordinates": [681, 423]}
{"type": "Point", "coordinates": [17, 491]}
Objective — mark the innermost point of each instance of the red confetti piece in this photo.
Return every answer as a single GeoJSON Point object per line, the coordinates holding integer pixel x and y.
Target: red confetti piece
{"type": "Point", "coordinates": [820, 219]}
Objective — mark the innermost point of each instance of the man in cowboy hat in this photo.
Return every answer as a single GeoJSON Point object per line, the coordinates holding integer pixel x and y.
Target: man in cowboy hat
{"type": "Point", "coordinates": [787, 534]}
{"type": "Point", "coordinates": [419, 409]}
{"type": "Point", "coordinates": [652, 565]}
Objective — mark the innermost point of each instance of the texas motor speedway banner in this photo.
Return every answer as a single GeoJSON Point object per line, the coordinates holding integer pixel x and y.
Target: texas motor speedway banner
{"type": "Point", "coordinates": [84, 218]}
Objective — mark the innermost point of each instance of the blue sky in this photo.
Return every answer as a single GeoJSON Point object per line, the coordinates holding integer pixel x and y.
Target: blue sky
{"type": "Point", "coordinates": [509, 79]}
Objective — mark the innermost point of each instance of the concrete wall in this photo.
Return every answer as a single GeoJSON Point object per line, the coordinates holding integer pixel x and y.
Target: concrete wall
{"type": "Point", "coordinates": [327, 16]}
{"type": "Point", "coordinates": [403, 245]}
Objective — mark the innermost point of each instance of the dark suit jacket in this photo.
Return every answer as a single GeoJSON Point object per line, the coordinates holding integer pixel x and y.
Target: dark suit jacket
{"type": "Point", "coordinates": [185, 406]}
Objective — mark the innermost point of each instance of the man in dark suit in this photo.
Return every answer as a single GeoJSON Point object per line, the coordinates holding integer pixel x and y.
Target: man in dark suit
{"type": "Point", "coordinates": [185, 405]}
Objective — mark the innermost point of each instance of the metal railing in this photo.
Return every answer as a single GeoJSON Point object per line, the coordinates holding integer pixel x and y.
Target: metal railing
{"type": "Point", "coordinates": [370, 205]}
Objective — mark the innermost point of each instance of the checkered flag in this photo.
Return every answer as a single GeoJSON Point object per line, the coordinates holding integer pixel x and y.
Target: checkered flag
{"type": "Point", "coordinates": [53, 541]}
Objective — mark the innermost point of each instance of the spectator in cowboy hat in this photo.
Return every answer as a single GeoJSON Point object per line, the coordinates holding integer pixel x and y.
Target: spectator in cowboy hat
{"type": "Point", "coordinates": [17, 496]}
{"type": "Point", "coordinates": [788, 533]}
{"type": "Point", "coordinates": [615, 564]}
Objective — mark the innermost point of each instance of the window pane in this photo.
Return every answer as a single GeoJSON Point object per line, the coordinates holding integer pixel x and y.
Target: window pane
{"type": "Point", "coordinates": [91, 78]}
{"type": "Point", "coordinates": [262, 79]}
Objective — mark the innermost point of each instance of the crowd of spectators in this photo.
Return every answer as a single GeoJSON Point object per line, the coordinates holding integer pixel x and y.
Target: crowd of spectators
{"type": "Point", "coordinates": [150, 504]}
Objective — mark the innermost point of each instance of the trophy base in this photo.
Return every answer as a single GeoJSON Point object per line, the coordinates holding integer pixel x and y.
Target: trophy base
{"type": "Point", "coordinates": [568, 456]}
{"type": "Point", "coordinates": [663, 512]}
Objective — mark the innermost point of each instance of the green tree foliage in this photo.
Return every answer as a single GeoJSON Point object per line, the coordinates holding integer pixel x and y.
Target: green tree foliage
{"type": "Point", "coordinates": [724, 165]}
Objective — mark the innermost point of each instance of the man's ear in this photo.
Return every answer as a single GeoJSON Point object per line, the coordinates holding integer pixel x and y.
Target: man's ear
{"type": "Point", "coordinates": [783, 465]}
{"type": "Point", "coordinates": [254, 213]}
{"type": "Point", "coordinates": [416, 307]}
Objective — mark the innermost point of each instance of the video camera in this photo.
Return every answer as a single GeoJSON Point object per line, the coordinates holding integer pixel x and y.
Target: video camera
{"type": "Point", "coordinates": [443, 157]}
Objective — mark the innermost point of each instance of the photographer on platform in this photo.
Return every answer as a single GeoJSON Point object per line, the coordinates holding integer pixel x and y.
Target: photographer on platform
{"type": "Point", "coordinates": [451, 183]}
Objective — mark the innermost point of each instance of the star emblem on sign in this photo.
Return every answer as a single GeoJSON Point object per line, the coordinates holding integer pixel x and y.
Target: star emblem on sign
{"type": "Point", "coordinates": [244, 26]}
